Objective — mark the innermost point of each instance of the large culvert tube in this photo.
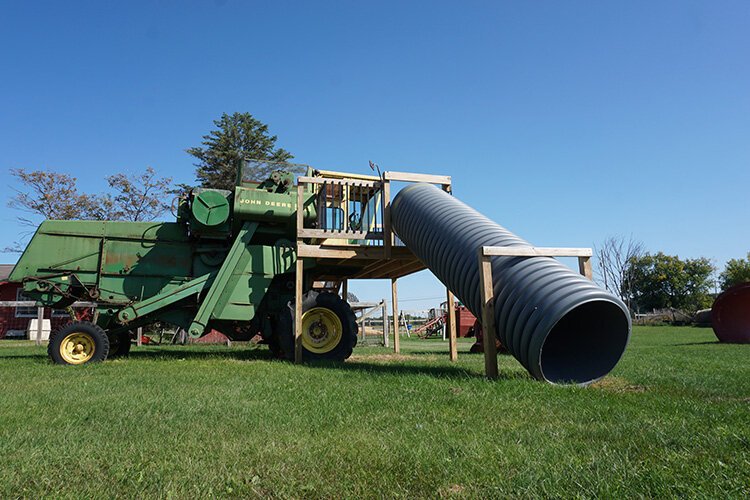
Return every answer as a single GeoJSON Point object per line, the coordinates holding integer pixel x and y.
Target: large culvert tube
{"type": "Point", "coordinates": [558, 324]}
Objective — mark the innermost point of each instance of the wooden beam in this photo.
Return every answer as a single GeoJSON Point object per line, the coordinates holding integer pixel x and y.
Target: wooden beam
{"type": "Point", "coordinates": [324, 234]}
{"type": "Point", "coordinates": [488, 316]}
{"type": "Point", "coordinates": [409, 268]}
{"type": "Point", "coordinates": [584, 267]}
{"type": "Point", "coordinates": [394, 309]}
{"type": "Point", "coordinates": [387, 230]}
{"type": "Point", "coordinates": [322, 252]}
{"type": "Point", "coordinates": [520, 251]}
{"type": "Point", "coordinates": [413, 177]}
{"type": "Point", "coordinates": [40, 324]}
{"type": "Point", "coordinates": [300, 208]}
{"type": "Point", "coordinates": [345, 290]}
{"type": "Point", "coordinates": [299, 270]}
{"type": "Point", "coordinates": [330, 174]}
{"type": "Point", "coordinates": [385, 323]}
{"type": "Point", "coordinates": [451, 326]}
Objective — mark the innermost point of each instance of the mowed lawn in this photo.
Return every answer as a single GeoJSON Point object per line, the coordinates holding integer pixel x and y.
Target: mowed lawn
{"type": "Point", "coordinates": [673, 419]}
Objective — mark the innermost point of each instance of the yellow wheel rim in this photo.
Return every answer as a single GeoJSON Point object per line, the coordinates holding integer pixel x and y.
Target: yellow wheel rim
{"type": "Point", "coordinates": [321, 330]}
{"type": "Point", "coordinates": [77, 348]}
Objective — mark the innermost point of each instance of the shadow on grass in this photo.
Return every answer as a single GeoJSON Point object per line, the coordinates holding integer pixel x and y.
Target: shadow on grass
{"type": "Point", "coordinates": [712, 342]}
{"type": "Point", "coordinates": [190, 353]}
{"type": "Point", "coordinates": [396, 367]}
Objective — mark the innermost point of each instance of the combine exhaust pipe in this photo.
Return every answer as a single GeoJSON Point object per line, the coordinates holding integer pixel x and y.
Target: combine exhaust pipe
{"type": "Point", "coordinates": [559, 325]}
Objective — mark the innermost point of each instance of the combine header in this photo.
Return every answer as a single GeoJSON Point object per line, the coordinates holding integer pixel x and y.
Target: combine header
{"type": "Point", "coordinates": [269, 258]}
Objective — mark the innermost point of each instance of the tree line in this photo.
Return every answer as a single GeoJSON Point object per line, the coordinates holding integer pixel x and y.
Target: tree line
{"type": "Point", "coordinates": [655, 281]}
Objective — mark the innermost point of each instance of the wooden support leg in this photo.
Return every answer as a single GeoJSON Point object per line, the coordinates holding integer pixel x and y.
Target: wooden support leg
{"type": "Point", "coordinates": [345, 290]}
{"type": "Point", "coordinates": [451, 326]}
{"type": "Point", "coordinates": [488, 316]}
{"type": "Point", "coordinates": [394, 308]}
{"type": "Point", "coordinates": [385, 323]}
{"type": "Point", "coordinates": [39, 324]}
{"type": "Point", "coordinates": [139, 336]}
{"type": "Point", "coordinates": [298, 311]}
{"type": "Point", "coordinates": [584, 267]}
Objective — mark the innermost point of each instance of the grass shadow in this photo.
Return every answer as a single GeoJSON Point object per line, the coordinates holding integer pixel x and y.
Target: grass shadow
{"type": "Point", "coordinates": [711, 342]}
{"type": "Point", "coordinates": [189, 353]}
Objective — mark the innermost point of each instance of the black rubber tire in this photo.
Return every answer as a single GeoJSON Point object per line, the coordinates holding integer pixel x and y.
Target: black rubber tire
{"type": "Point", "coordinates": [285, 328]}
{"type": "Point", "coordinates": [98, 336]}
{"type": "Point", "coordinates": [119, 345]}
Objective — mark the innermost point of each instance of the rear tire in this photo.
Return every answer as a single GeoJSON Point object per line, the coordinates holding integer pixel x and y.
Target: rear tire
{"type": "Point", "coordinates": [329, 329]}
{"type": "Point", "coordinates": [119, 345]}
{"type": "Point", "coordinates": [78, 343]}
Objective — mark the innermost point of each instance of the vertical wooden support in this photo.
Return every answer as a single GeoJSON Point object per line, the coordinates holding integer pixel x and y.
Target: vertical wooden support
{"type": "Point", "coordinates": [298, 276]}
{"type": "Point", "coordinates": [139, 336]}
{"type": "Point", "coordinates": [451, 326]}
{"type": "Point", "coordinates": [385, 323]}
{"type": "Point", "coordinates": [488, 315]}
{"type": "Point", "coordinates": [298, 311]}
{"type": "Point", "coordinates": [345, 290]}
{"type": "Point", "coordinates": [39, 324]}
{"type": "Point", "coordinates": [387, 234]}
{"type": "Point", "coordinates": [584, 267]}
{"type": "Point", "coordinates": [394, 309]}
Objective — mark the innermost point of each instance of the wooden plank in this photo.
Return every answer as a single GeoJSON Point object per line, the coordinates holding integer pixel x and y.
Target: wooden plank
{"type": "Point", "coordinates": [339, 235]}
{"type": "Point", "coordinates": [536, 252]}
{"type": "Point", "coordinates": [387, 231]}
{"type": "Point", "coordinates": [584, 267]}
{"type": "Point", "coordinates": [340, 182]}
{"type": "Point", "coordinates": [451, 326]}
{"type": "Point", "coordinates": [299, 268]}
{"type": "Point", "coordinates": [300, 208]}
{"type": "Point", "coordinates": [394, 309]}
{"type": "Point", "coordinates": [345, 290]}
{"type": "Point", "coordinates": [139, 336]}
{"type": "Point", "coordinates": [385, 322]}
{"type": "Point", "coordinates": [330, 174]}
{"type": "Point", "coordinates": [40, 324]}
{"type": "Point", "coordinates": [488, 316]}
{"type": "Point", "coordinates": [409, 268]}
{"type": "Point", "coordinates": [413, 177]}
{"type": "Point", "coordinates": [322, 252]}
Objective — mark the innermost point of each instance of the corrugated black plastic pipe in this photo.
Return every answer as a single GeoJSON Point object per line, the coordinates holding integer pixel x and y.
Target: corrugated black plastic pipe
{"type": "Point", "coordinates": [558, 324]}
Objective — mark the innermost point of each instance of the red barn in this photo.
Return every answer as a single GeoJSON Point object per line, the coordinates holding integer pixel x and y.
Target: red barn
{"type": "Point", "coordinates": [14, 321]}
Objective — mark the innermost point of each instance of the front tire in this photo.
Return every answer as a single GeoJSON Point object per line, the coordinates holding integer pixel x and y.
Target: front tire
{"type": "Point", "coordinates": [78, 343]}
{"type": "Point", "coordinates": [329, 329]}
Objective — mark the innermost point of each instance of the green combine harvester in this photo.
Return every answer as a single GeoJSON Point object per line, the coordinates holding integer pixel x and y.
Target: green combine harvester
{"type": "Point", "coordinates": [227, 263]}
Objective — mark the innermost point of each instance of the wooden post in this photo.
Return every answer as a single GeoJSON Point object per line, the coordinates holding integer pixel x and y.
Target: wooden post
{"type": "Point", "coordinates": [139, 336]}
{"type": "Point", "coordinates": [345, 290]}
{"type": "Point", "coordinates": [488, 315]}
{"type": "Point", "coordinates": [584, 267]}
{"type": "Point", "coordinates": [451, 326]}
{"type": "Point", "coordinates": [298, 311]}
{"type": "Point", "coordinates": [385, 323]}
{"type": "Point", "coordinates": [394, 309]}
{"type": "Point", "coordinates": [298, 276]}
{"type": "Point", "coordinates": [39, 324]}
{"type": "Point", "coordinates": [387, 234]}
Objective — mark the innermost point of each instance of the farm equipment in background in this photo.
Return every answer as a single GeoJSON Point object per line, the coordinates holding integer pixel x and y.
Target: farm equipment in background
{"type": "Point", "coordinates": [437, 318]}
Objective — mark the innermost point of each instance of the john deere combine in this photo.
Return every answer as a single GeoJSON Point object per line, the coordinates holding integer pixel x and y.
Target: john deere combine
{"type": "Point", "coordinates": [227, 262]}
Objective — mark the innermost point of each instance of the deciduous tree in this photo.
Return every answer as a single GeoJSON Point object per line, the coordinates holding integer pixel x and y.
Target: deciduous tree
{"type": "Point", "coordinates": [736, 271]}
{"type": "Point", "coordinates": [613, 265]}
{"type": "Point", "coordinates": [665, 281]}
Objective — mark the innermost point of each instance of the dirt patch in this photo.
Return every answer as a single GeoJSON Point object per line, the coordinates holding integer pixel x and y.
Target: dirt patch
{"type": "Point", "coordinates": [617, 384]}
{"type": "Point", "coordinates": [452, 490]}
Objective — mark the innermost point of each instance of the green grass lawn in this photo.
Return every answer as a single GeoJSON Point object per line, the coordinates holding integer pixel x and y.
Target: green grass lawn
{"type": "Point", "coordinates": [673, 419]}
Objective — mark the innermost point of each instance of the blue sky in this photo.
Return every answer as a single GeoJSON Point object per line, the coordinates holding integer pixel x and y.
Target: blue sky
{"type": "Point", "coordinates": [565, 122]}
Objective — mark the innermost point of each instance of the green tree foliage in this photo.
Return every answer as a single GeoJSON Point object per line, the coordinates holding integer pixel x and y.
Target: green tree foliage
{"type": "Point", "coordinates": [665, 281]}
{"type": "Point", "coordinates": [236, 136]}
{"type": "Point", "coordinates": [735, 272]}
{"type": "Point", "coordinates": [138, 197]}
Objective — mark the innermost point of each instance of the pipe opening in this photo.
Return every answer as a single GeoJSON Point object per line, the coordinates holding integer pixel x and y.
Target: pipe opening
{"type": "Point", "coordinates": [585, 344]}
